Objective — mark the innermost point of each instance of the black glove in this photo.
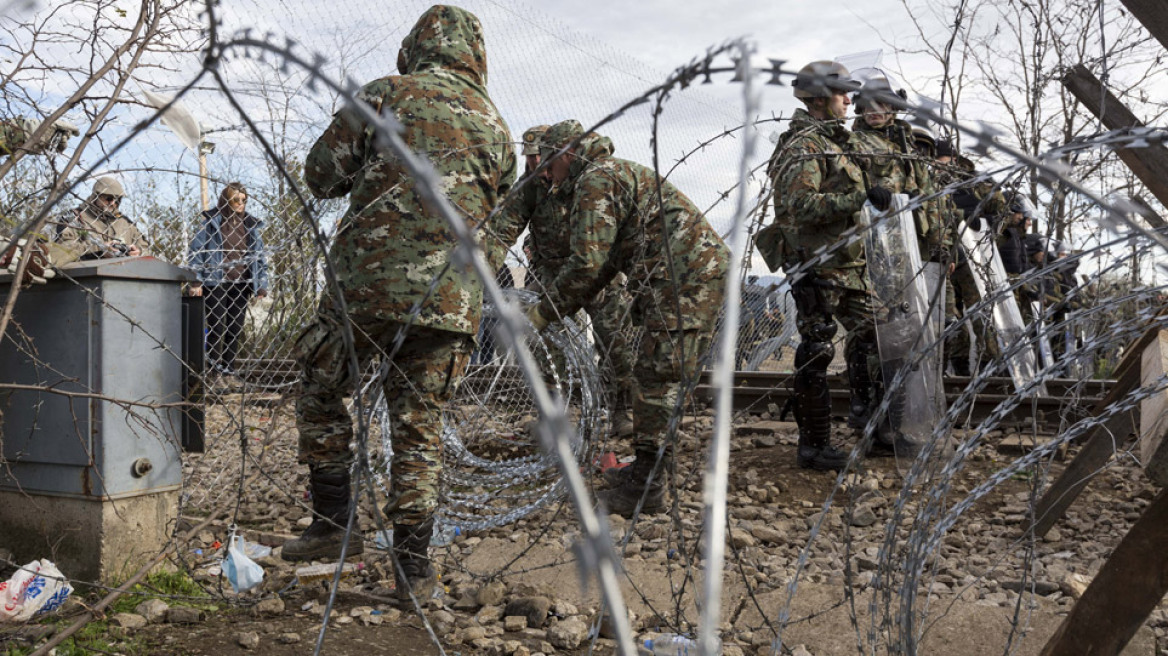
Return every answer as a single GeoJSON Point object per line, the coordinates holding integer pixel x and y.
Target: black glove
{"type": "Point", "coordinates": [880, 197]}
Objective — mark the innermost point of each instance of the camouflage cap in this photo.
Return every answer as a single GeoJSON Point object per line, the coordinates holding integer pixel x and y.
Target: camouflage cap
{"type": "Point", "coordinates": [532, 139]}
{"type": "Point", "coordinates": [559, 135]}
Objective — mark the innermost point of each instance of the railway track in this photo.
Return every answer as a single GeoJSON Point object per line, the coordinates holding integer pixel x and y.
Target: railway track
{"type": "Point", "coordinates": [768, 391]}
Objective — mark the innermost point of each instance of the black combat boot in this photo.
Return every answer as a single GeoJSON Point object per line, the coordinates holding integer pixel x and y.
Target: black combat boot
{"type": "Point", "coordinates": [813, 414]}
{"type": "Point", "coordinates": [813, 406]}
{"type": "Point", "coordinates": [411, 545]}
{"type": "Point", "coordinates": [860, 380]}
{"type": "Point", "coordinates": [330, 505]}
{"type": "Point", "coordinates": [628, 489]}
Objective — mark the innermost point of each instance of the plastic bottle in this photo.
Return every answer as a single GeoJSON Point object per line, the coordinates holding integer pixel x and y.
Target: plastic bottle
{"type": "Point", "coordinates": [672, 644]}
{"type": "Point", "coordinates": [444, 534]}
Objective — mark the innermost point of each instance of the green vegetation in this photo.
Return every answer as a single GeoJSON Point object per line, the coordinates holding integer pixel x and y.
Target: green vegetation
{"type": "Point", "coordinates": [173, 587]}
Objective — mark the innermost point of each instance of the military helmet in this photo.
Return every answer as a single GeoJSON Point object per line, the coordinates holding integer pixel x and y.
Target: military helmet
{"type": "Point", "coordinates": [108, 186]}
{"type": "Point", "coordinates": [876, 85]}
{"type": "Point", "coordinates": [559, 135]}
{"type": "Point", "coordinates": [810, 82]}
{"type": "Point", "coordinates": [922, 133]}
{"type": "Point", "coordinates": [531, 139]}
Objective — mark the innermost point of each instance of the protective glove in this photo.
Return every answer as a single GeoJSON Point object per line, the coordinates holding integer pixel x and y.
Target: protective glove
{"type": "Point", "coordinates": [536, 318]}
{"type": "Point", "coordinates": [880, 198]}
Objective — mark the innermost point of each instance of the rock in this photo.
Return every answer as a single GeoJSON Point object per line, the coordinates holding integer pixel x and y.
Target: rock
{"type": "Point", "coordinates": [304, 522]}
{"type": "Point", "coordinates": [1041, 588]}
{"type": "Point", "coordinates": [564, 609]}
{"type": "Point", "coordinates": [248, 640]}
{"type": "Point", "coordinates": [129, 620]}
{"type": "Point", "coordinates": [489, 614]}
{"type": "Point", "coordinates": [288, 638]}
{"type": "Point", "coordinates": [800, 650]}
{"type": "Point", "coordinates": [471, 633]}
{"type": "Point", "coordinates": [1075, 585]}
{"type": "Point", "coordinates": [491, 594]}
{"type": "Point", "coordinates": [567, 634]}
{"type": "Point", "coordinates": [184, 615]}
{"type": "Point", "coordinates": [765, 428]}
{"type": "Point", "coordinates": [467, 602]}
{"type": "Point", "coordinates": [740, 538]}
{"type": "Point", "coordinates": [514, 623]}
{"type": "Point", "coordinates": [769, 534]}
{"type": "Point", "coordinates": [535, 609]}
{"type": "Point", "coordinates": [271, 606]}
{"type": "Point", "coordinates": [864, 515]}
{"type": "Point", "coordinates": [443, 621]}
{"type": "Point", "coordinates": [154, 610]}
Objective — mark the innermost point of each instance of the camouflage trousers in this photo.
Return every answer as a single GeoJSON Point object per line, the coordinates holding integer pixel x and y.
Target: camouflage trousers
{"type": "Point", "coordinates": [666, 370]}
{"type": "Point", "coordinates": [667, 367]}
{"type": "Point", "coordinates": [612, 324]}
{"type": "Point", "coordinates": [962, 295]}
{"type": "Point", "coordinates": [422, 378]}
{"type": "Point", "coordinates": [848, 300]}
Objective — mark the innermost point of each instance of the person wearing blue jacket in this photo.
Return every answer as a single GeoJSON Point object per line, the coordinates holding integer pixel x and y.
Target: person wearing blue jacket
{"type": "Point", "coordinates": [228, 257]}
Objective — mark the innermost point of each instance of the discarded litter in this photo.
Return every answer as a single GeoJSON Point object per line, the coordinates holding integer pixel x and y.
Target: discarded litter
{"type": "Point", "coordinates": [243, 572]}
{"type": "Point", "coordinates": [34, 590]}
{"type": "Point", "coordinates": [313, 573]}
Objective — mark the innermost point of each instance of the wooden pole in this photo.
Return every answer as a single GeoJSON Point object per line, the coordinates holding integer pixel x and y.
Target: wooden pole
{"type": "Point", "coordinates": [203, 178]}
{"type": "Point", "coordinates": [1153, 14]}
{"type": "Point", "coordinates": [1126, 591]}
{"type": "Point", "coordinates": [1150, 164]}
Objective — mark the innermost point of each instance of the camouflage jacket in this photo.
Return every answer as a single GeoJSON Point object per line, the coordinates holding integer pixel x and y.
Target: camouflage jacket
{"type": "Point", "coordinates": [389, 247]}
{"type": "Point", "coordinates": [883, 154]}
{"type": "Point", "coordinates": [818, 190]}
{"type": "Point", "coordinates": [13, 134]}
{"type": "Point", "coordinates": [618, 226]}
{"type": "Point", "coordinates": [86, 234]}
{"type": "Point", "coordinates": [543, 210]}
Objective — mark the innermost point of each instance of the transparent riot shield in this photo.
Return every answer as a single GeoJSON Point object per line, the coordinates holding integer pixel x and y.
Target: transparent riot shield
{"type": "Point", "coordinates": [1044, 348]}
{"type": "Point", "coordinates": [990, 278]}
{"type": "Point", "coordinates": [910, 309]}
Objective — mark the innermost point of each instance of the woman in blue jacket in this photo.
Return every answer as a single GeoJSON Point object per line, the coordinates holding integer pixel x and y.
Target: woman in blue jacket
{"type": "Point", "coordinates": [227, 255]}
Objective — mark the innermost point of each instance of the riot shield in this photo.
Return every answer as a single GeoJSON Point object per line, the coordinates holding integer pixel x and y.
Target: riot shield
{"type": "Point", "coordinates": [910, 309]}
{"type": "Point", "coordinates": [990, 278]}
{"type": "Point", "coordinates": [1044, 348]}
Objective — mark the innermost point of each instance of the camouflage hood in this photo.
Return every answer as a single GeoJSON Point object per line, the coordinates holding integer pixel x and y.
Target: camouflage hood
{"type": "Point", "coordinates": [594, 147]}
{"type": "Point", "coordinates": [802, 122]}
{"type": "Point", "coordinates": [449, 38]}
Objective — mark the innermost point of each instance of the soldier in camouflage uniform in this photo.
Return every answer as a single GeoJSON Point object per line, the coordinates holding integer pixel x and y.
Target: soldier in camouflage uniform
{"type": "Point", "coordinates": [14, 132]}
{"type": "Point", "coordinates": [543, 210]}
{"type": "Point", "coordinates": [625, 219]}
{"type": "Point", "coordinates": [973, 200]}
{"type": "Point", "coordinates": [819, 191]}
{"type": "Point", "coordinates": [97, 230]}
{"type": "Point", "coordinates": [885, 146]}
{"type": "Point", "coordinates": [389, 250]}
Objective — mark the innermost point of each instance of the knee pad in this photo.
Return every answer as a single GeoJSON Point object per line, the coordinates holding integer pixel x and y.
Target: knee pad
{"type": "Point", "coordinates": [811, 360]}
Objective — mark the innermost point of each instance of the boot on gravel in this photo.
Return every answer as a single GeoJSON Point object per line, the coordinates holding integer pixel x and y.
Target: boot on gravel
{"type": "Point", "coordinates": [322, 540]}
{"type": "Point", "coordinates": [411, 545]}
{"type": "Point", "coordinates": [630, 485]}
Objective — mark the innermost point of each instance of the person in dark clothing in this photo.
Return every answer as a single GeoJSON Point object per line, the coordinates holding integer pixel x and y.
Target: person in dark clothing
{"type": "Point", "coordinates": [227, 255]}
{"type": "Point", "coordinates": [1012, 231]}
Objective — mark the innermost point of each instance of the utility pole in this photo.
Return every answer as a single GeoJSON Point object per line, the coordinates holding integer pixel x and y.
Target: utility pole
{"type": "Point", "coordinates": [205, 148]}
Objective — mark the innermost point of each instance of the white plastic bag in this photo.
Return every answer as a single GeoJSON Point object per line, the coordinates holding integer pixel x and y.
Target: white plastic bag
{"type": "Point", "coordinates": [243, 572]}
{"type": "Point", "coordinates": [35, 589]}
